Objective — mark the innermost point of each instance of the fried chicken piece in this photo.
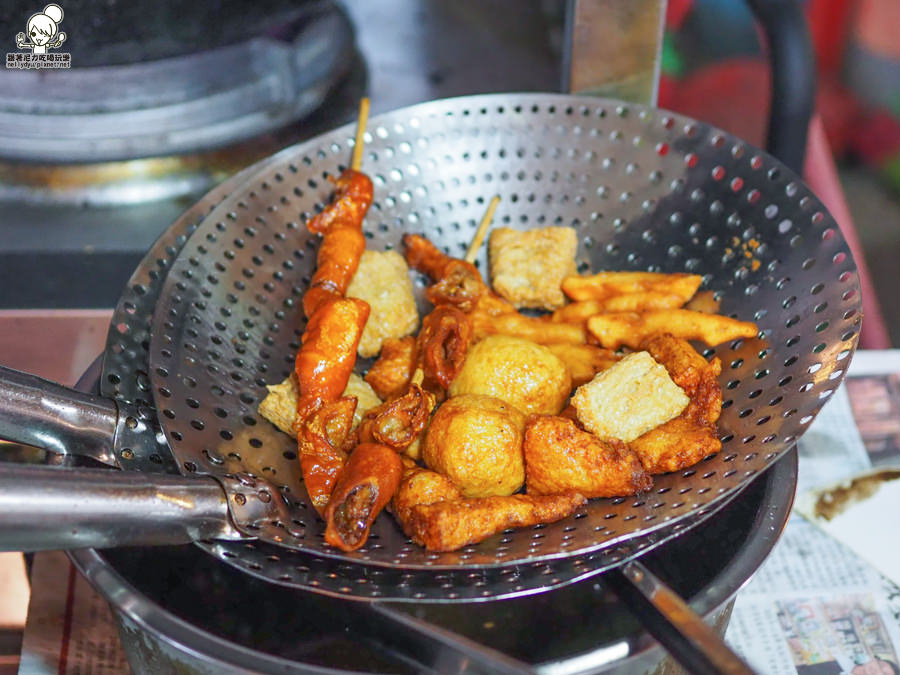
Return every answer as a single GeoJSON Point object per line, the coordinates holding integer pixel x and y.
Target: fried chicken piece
{"type": "Point", "coordinates": [421, 486]}
{"type": "Point", "coordinates": [449, 525]}
{"type": "Point", "coordinates": [685, 440]}
{"type": "Point", "coordinates": [560, 457]}
{"type": "Point", "coordinates": [365, 486]}
{"type": "Point", "coordinates": [389, 376]}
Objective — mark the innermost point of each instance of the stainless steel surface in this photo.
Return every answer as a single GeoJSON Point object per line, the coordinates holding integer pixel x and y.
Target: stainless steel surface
{"type": "Point", "coordinates": [37, 412]}
{"type": "Point", "coordinates": [644, 189]}
{"type": "Point", "coordinates": [49, 509]}
{"type": "Point", "coordinates": [175, 105]}
{"type": "Point", "coordinates": [614, 48]}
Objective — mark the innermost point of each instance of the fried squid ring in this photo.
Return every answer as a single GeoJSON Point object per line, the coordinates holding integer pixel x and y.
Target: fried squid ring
{"type": "Point", "coordinates": [343, 242]}
{"type": "Point", "coordinates": [368, 481]}
{"type": "Point", "coordinates": [328, 353]}
{"type": "Point", "coordinates": [397, 423]}
{"type": "Point", "coordinates": [442, 345]}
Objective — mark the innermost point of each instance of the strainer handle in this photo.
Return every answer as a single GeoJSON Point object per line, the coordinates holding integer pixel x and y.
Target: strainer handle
{"type": "Point", "coordinates": [38, 412]}
{"type": "Point", "coordinates": [667, 617]}
{"type": "Point", "coordinates": [51, 508]}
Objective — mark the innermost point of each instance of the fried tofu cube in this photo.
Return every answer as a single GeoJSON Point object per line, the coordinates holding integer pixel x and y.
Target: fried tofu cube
{"type": "Point", "coordinates": [527, 268]}
{"type": "Point", "coordinates": [280, 404]}
{"type": "Point", "coordinates": [382, 280]}
{"type": "Point", "coordinates": [629, 399]}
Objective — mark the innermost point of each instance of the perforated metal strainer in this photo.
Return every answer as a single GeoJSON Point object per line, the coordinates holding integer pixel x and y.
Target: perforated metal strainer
{"type": "Point", "coordinates": [644, 189]}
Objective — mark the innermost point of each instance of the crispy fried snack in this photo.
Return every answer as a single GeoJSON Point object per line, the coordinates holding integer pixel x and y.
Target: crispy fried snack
{"type": "Point", "coordinates": [560, 457]}
{"type": "Point", "coordinates": [280, 404]}
{"type": "Point", "coordinates": [456, 282]}
{"type": "Point", "coordinates": [368, 481]}
{"type": "Point", "coordinates": [527, 267]}
{"type": "Point", "coordinates": [535, 329]}
{"type": "Point", "coordinates": [382, 280]}
{"type": "Point", "coordinates": [389, 376]}
{"type": "Point", "coordinates": [584, 361]}
{"type": "Point", "coordinates": [421, 486]}
{"type": "Point", "coordinates": [442, 345]}
{"type": "Point", "coordinates": [343, 242]}
{"type": "Point", "coordinates": [398, 422]}
{"type": "Point", "coordinates": [328, 353]}
{"type": "Point", "coordinates": [631, 329]}
{"type": "Point", "coordinates": [319, 441]}
{"type": "Point", "coordinates": [578, 312]}
{"type": "Point", "coordinates": [607, 284]}
{"type": "Point", "coordinates": [704, 301]}
{"type": "Point", "coordinates": [476, 441]}
{"type": "Point", "coordinates": [521, 372]}
{"type": "Point", "coordinates": [691, 436]}
{"type": "Point", "coordinates": [449, 525]}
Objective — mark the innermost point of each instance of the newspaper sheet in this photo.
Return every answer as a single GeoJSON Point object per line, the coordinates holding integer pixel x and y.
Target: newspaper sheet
{"type": "Point", "coordinates": [816, 606]}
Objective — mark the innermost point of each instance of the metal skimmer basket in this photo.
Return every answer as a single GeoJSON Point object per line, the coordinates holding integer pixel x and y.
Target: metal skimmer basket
{"type": "Point", "coordinates": [213, 315]}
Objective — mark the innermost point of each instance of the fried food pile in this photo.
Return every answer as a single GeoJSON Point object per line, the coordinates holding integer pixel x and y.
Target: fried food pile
{"type": "Point", "coordinates": [487, 418]}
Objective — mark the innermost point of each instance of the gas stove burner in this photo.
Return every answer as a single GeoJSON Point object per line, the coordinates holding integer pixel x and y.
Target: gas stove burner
{"type": "Point", "coordinates": [180, 95]}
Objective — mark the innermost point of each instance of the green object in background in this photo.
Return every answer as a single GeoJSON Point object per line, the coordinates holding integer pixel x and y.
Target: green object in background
{"type": "Point", "coordinates": [891, 171]}
{"type": "Point", "coordinates": [672, 62]}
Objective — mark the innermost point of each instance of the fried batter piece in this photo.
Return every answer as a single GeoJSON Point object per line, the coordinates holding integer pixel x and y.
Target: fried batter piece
{"type": "Point", "coordinates": [685, 440]}
{"type": "Point", "coordinates": [382, 280]}
{"type": "Point", "coordinates": [449, 525]}
{"type": "Point", "coordinates": [631, 328]}
{"type": "Point", "coordinates": [581, 311]}
{"type": "Point", "coordinates": [390, 375]}
{"type": "Point", "coordinates": [560, 457]}
{"type": "Point", "coordinates": [328, 353]}
{"type": "Point", "coordinates": [442, 345]}
{"type": "Point", "coordinates": [396, 423]}
{"type": "Point", "coordinates": [536, 329]}
{"type": "Point", "coordinates": [319, 441]}
{"type": "Point", "coordinates": [527, 267]}
{"type": "Point", "coordinates": [343, 242]}
{"type": "Point", "coordinates": [608, 284]}
{"type": "Point", "coordinates": [365, 486]}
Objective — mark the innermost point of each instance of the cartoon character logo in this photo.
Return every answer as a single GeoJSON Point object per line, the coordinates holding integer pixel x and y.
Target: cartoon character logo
{"type": "Point", "coordinates": [43, 31]}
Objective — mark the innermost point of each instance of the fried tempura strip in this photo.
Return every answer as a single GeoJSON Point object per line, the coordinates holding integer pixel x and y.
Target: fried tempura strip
{"type": "Point", "coordinates": [389, 376]}
{"type": "Point", "coordinates": [528, 327]}
{"type": "Point", "coordinates": [560, 457]}
{"type": "Point", "coordinates": [328, 353]}
{"type": "Point", "coordinates": [630, 329]}
{"type": "Point", "coordinates": [442, 345]}
{"type": "Point", "coordinates": [606, 284]}
{"type": "Point", "coordinates": [449, 525]}
{"type": "Point", "coordinates": [368, 481]}
{"type": "Point", "coordinates": [397, 423]}
{"type": "Point", "coordinates": [343, 242]}
{"type": "Point", "coordinates": [584, 361]}
{"type": "Point", "coordinates": [582, 310]}
{"type": "Point", "coordinates": [319, 442]}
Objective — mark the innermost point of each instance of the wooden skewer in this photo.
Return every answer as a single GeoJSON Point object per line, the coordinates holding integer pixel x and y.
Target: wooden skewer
{"type": "Point", "coordinates": [483, 226]}
{"type": "Point", "coordinates": [361, 120]}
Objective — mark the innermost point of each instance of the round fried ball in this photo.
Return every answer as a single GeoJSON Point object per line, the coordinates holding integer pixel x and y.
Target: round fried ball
{"type": "Point", "coordinates": [519, 371]}
{"type": "Point", "coordinates": [476, 441]}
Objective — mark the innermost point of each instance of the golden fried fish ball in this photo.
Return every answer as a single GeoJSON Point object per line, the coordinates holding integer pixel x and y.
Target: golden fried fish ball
{"type": "Point", "coordinates": [521, 372]}
{"type": "Point", "coordinates": [476, 441]}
